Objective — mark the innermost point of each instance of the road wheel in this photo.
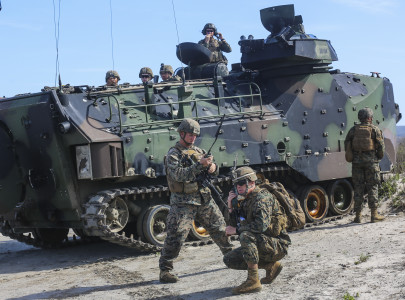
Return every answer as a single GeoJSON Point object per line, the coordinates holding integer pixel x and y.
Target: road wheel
{"type": "Point", "coordinates": [154, 224]}
{"type": "Point", "coordinates": [314, 203]}
{"type": "Point", "coordinates": [51, 235]}
{"type": "Point", "coordinates": [341, 196]}
{"type": "Point", "coordinates": [198, 233]}
{"type": "Point", "coordinates": [117, 214]}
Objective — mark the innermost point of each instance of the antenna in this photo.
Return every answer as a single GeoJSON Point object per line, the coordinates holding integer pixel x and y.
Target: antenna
{"type": "Point", "coordinates": [112, 37]}
{"type": "Point", "coordinates": [178, 40]}
{"type": "Point", "coordinates": [56, 37]}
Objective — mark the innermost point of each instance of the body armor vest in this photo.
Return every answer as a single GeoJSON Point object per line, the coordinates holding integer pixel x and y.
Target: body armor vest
{"type": "Point", "coordinates": [363, 139]}
{"type": "Point", "coordinates": [187, 158]}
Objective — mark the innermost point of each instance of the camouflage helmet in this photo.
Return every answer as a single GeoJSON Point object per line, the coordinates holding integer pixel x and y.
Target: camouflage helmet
{"type": "Point", "coordinates": [244, 173]}
{"type": "Point", "coordinates": [112, 73]}
{"type": "Point", "coordinates": [364, 114]}
{"type": "Point", "coordinates": [166, 68]}
{"type": "Point", "coordinates": [210, 26]}
{"type": "Point", "coordinates": [190, 126]}
{"type": "Point", "coordinates": [145, 71]}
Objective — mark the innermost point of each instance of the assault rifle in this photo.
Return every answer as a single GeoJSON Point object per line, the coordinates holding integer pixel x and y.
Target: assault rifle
{"type": "Point", "coordinates": [205, 179]}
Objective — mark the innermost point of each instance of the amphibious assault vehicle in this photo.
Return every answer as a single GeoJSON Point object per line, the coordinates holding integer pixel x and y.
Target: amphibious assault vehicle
{"type": "Point", "coordinates": [91, 159]}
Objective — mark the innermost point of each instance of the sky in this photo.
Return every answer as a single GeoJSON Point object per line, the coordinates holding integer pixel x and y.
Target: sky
{"type": "Point", "coordinates": [93, 36]}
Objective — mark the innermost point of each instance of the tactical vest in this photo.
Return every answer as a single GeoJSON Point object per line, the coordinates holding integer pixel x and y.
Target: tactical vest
{"type": "Point", "coordinates": [363, 139]}
{"type": "Point", "coordinates": [187, 157]}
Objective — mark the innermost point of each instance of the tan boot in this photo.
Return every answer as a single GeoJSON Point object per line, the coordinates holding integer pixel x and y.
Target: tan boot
{"type": "Point", "coordinates": [375, 217]}
{"type": "Point", "coordinates": [251, 285]}
{"type": "Point", "coordinates": [357, 219]}
{"type": "Point", "coordinates": [167, 277]}
{"type": "Point", "coordinates": [272, 271]}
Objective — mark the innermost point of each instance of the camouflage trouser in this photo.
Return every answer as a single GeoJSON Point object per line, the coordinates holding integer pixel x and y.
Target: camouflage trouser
{"type": "Point", "coordinates": [255, 249]}
{"type": "Point", "coordinates": [366, 178]}
{"type": "Point", "coordinates": [179, 222]}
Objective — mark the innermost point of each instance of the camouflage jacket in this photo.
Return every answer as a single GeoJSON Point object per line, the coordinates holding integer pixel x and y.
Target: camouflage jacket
{"type": "Point", "coordinates": [216, 47]}
{"type": "Point", "coordinates": [181, 171]}
{"type": "Point", "coordinates": [258, 209]}
{"type": "Point", "coordinates": [368, 156]}
{"type": "Point", "coordinates": [173, 78]}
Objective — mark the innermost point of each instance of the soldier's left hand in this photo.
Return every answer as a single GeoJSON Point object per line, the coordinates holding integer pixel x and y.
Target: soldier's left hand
{"type": "Point", "coordinates": [230, 230]}
{"type": "Point", "coordinates": [212, 168]}
{"type": "Point", "coordinates": [220, 36]}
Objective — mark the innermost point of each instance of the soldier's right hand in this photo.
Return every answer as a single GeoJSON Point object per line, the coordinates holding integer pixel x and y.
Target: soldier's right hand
{"type": "Point", "coordinates": [206, 161]}
{"type": "Point", "coordinates": [231, 196]}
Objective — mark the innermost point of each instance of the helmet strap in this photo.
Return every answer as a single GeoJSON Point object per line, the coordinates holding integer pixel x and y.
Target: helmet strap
{"type": "Point", "coordinates": [182, 135]}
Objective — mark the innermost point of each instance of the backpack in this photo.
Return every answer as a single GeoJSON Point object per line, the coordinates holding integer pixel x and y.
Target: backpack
{"type": "Point", "coordinates": [291, 205]}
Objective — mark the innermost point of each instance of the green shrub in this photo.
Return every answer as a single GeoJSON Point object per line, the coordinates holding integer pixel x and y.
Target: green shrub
{"type": "Point", "coordinates": [347, 296]}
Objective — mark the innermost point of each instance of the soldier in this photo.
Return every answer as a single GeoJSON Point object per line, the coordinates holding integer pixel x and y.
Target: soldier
{"type": "Point", "coordinates": [367, 144]}
{"type": "Point", "coordinates": [146, 75]}
{"type": "Point", "coordinates": [215, 46]}
{"type": "Point", "coordinates": [166, 72]}
{"type": "Point", "coordinates": [112, 78]}
{"type": "Point", "coordinates": [256, 217]}
{"type": "Point", "coordinates": [189, 201]}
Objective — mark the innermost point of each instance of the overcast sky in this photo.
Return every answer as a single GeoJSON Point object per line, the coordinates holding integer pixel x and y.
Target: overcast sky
{"type": "Point", "coordinates": [366, 34]}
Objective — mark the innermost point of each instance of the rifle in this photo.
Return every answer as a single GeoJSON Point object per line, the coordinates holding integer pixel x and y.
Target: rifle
{"type": "Point", "coordinates": [204, 178]}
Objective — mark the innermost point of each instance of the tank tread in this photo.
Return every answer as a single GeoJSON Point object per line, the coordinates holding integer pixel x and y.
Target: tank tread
{"type": "Point", "coordinates": [29, 239]}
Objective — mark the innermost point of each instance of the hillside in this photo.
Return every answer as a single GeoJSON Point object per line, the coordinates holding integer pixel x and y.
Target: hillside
{"type": "Point", "coordinates": [401, 131]}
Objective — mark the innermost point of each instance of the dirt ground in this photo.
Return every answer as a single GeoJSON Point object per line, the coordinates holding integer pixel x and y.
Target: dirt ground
{"type": "Point", "coordinates": [324, 262]}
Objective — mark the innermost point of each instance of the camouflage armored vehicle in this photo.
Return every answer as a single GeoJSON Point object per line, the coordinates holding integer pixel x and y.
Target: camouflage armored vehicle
{"type": "Point", "coordinates": [91, 159]}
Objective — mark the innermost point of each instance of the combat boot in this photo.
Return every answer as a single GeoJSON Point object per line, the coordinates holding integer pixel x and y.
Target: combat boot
{"type": "Point", "coordinates": [375, 217]}
{"type": "Point", "coordinates": [251, 285]}
{"type": "Point", "coordinates": [167, 277]}
{"type": "Point", "coordinates": [272, 271]}
{"type": "Point", "coordinates": [357, 219]}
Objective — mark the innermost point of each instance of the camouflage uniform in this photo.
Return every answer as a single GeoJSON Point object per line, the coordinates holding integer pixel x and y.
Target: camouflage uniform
{"type": "Point", "coordinates": [365, 167]}
{"type": "Point", "coordinates": [169, 69]}
{"type": "Point", "coordinates": [185, 208]}
{"type": "Point", "coordinates": [216, 47]}
{"type": "Point", "coordinates": [259, 244]}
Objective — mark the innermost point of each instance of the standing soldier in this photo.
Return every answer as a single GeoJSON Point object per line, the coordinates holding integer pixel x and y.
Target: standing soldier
{"type": "Point", "coordinates": [166, 72]}
{"type": "Point", "coordinates": [189, 200]}
{"type": "Point", "coordinates": [215, 46]}
{"type": "Point", "coordinates": [367, 145]}
{"type": "Point", "coordinates": [261, 225]}
{"type": "Point", "coordinates": [146, 74]}
{"type": "Point", "coordinates": [112, 78]}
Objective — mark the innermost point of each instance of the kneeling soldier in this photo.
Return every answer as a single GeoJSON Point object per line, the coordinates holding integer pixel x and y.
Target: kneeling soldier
{"type": "Point", "coordinates": [260, 223]}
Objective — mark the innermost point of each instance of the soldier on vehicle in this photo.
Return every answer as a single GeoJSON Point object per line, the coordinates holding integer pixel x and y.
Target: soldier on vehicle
{"type": "Point", "coordinates": [189, 200]}
{"type": "Point", "coordinates": [112, 78]}
{"type": "Point", "coordinates": [256, 216]}
{"type": "Point", "coordinates": [166, 72]}
{"type": "Point", "coordinates": [366, 143]}
{"type": "Point", "coordinates": [146, 75]}
{"type": "Point", "coordinates": [215, 46]}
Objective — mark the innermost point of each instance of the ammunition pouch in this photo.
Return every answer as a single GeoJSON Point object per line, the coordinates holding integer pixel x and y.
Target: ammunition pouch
{"type": "Point", "coordinates": [182, 187]}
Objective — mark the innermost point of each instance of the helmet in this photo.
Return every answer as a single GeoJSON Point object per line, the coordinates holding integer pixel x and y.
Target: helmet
{"type": "Point", "coordinates": [146, 71]}
{"type": "Point", "coordinates": [166, 68]}
{"type": "Point", "coordinates": [112, 73]}
{"type": "Point", "coordinates": [211, 26]}
{"type": "Point", "coordinates": [364, 114]}
{"type": "Point", "coordinates": [190, 126]}
{"type": "Point", "coordinates": [244, 173]}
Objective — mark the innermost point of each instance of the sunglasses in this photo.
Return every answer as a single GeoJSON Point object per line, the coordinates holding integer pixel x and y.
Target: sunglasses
{"type": "Point", "coordinates": [145, 76]}
{"type": "Point", "coordinates": [209, 30]}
